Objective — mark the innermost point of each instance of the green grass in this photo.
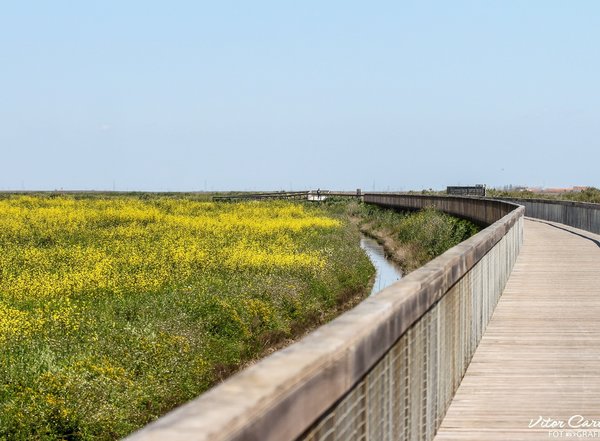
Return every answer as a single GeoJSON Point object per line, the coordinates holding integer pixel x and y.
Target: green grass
{"type": "Point", "coordinates": [167, 296]}
{"type": "Point", "coordinates": [410, 238]}
{"type": "Point", "coordinates": [176, 295]}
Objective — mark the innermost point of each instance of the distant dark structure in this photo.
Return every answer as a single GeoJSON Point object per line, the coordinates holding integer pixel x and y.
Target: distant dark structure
{"type": "Point", "coordinates": [477, 190]}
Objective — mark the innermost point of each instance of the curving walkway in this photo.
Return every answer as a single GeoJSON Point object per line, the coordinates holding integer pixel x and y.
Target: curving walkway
{"type": "Point", "coordinates": [540, 355]}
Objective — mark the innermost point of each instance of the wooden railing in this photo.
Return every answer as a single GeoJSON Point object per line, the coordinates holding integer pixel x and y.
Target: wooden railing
{"type": "Point", "coordinates": [583, 215]}
{"type": "Point", "coordinates": [313, 195]}
{"type": "Point", "coordinates": [264, 195]}
{"type": "Point", "coordinates": [385, 370]}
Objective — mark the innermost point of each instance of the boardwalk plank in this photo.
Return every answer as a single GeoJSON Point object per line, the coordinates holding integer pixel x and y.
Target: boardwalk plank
{"type": "Point", "coordinates": [540, 355]}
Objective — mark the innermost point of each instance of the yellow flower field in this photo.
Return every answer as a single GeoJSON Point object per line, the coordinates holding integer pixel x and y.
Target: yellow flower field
{"type": "Point", "coordinates": [113, 310]}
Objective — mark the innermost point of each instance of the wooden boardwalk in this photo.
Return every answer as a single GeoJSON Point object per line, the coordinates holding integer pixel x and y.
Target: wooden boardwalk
{"type": "Point", "coordinates": [540, 355]}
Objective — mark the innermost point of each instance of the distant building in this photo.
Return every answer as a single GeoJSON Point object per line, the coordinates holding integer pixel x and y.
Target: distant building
{"type": "Point", "coordinates": [476, 190]}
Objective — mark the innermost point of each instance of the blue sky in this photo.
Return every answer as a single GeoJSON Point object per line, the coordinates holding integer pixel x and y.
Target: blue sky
{"type": "Point", "coordinates": [194, 95]}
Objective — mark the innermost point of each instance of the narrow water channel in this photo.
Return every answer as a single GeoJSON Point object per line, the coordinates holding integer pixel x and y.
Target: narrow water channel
{"type": "Point", "coordinates": [387, 271]}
